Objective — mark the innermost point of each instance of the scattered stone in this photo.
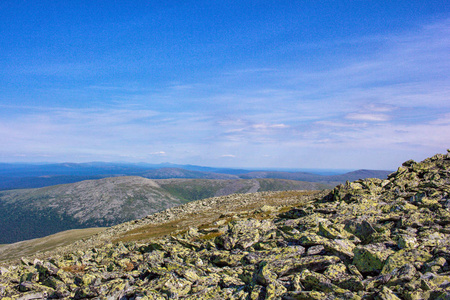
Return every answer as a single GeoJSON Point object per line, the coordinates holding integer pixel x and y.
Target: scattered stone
{"type": "Point", "coordinates": [371, 258]}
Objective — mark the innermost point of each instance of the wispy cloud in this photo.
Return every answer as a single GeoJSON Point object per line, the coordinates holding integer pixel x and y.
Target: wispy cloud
{"type": "Point", "coordinates": [371, 117]}
{"type": "Point", "coordinates": [264, 126]}
{"type": "Point", "coordinates": [161, 153]}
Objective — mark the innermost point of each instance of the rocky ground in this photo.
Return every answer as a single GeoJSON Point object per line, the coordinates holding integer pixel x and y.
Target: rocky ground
{"type": "Point", "coordinates": [368, 239]}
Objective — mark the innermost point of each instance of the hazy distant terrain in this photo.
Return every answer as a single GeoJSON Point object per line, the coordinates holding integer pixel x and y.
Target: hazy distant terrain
{"type": "Point", "coordinates": [350, 176]}
{"type": "Point", "coordinates": [20, 176]}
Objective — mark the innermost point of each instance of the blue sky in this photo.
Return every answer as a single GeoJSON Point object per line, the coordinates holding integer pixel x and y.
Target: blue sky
{"type": "Point", "coordinates": [287, 84]}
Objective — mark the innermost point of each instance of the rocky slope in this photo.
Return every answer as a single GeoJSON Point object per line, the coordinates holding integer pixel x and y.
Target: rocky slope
{"type": "Point", "coordinates": [368, 239]}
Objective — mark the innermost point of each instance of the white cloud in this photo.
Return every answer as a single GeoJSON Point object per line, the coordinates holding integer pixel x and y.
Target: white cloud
{"type": "Point", "coordinates": [368, 117]}
{"type": "Point", "coordinates": [339, 124]}
{"type": "Point", "coordinates": [162, 153]}
{"type": "Point", "coordinates": [264, 126]}
{"type": "Point", "coordinates": [442, 120]}
{"type": "Point", "coordinates": [381, 108]}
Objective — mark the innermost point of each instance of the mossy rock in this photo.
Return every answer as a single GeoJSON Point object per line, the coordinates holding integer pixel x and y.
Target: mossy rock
{"type": "Point", "coordinates": [371, 258]}
{"type": "Point", "coordinates": [402, 257]}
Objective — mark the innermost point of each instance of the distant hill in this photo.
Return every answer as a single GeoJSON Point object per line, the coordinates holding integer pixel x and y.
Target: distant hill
{"type": "Point", "coordinates": [10, 183]}
{"type": "Point", "coordinates": [303, 176]}
{"type": "Point", "coordinates": [196, 189]}
{"type": "Point", "coordinates": [20, 176]}
{"type": "Point", "coordinates": [166, 173]}
{"type": "Point", "coordinates": [73, 169]}
{"type": "Point", "coordinates": [360, 174]}
{"type": "Point", "coordinates": [285, 175]}
{"type": "Point", "coordinates": [32, 213]}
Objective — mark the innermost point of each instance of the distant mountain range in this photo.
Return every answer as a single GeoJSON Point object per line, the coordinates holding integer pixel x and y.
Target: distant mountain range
{"type": "Point", "coordinates": [38, 200]}
{"type": "Point", "coordinates": [19, 176]}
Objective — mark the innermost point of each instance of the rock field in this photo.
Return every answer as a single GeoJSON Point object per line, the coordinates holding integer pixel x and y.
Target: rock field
{"type": "Point", "coordinates": [367, 239]}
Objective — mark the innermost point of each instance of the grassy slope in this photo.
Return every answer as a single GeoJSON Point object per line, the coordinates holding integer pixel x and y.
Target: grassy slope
{"type": "Point", "coordinates": [287, 185]}
{"type": "Point", "coordinates": [48, 243]}
{"type": "Point", "coordinates": [192, 189]}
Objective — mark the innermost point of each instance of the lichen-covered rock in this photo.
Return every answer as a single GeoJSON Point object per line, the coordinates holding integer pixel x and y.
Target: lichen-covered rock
{"type": "Point", "coordinates": [407, 242]}
{"type": "Point", "coordinates": [245, 233]}
{"type": "Point", "coordinates": [305, 295]}
{"type": "Point", "coordinates": [316, 281]}
{"type": "Point", "coordinates": [362, 228]}
{"type": "Point", "coordinates": [371, 258]}
{"type": "Point", "coordinates": [402, 257]}
{"type": "Point", "coordinates": [386, 294]}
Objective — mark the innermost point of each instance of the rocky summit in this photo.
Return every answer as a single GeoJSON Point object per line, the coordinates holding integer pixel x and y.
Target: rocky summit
{"type": "Point", "coordinates": [367, 239]}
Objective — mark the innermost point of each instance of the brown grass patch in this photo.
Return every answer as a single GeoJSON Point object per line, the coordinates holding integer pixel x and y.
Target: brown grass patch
{"type": "Point", "coordinates": [74, 269]}
{"type": "Point", "coordinates": [149, 231]}
{"type": "Point", "coordinates": [211, 235]}
{"type": "Point", "coordinates": [129, 266]}
{"type": "Point", "coordinates": [11, 252]}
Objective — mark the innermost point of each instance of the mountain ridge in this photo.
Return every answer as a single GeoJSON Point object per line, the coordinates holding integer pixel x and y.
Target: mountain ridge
{"type": "Point", "coordinates": [19, 176]}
